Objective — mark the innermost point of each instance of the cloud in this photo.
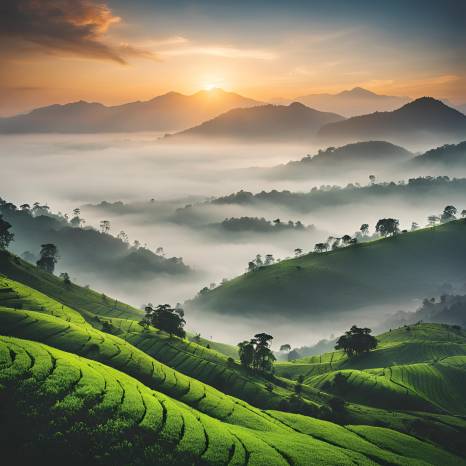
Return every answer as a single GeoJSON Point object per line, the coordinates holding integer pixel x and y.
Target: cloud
{"type": "Point", "coordinates": [74, 27]}
{"type": "Point", "coordinates": [218, 51]}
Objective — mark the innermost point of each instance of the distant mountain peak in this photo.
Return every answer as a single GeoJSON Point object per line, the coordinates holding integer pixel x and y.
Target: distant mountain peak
{"type": "Point", "coordinates": [358, 92]}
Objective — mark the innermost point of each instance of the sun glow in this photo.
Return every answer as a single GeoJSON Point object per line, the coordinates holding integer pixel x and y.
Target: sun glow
{"type": "Point", "coordinates": [209, 86]}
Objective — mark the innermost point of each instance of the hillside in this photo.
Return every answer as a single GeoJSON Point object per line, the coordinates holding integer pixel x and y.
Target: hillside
{"type": "Point", "coordinates": [92, 394]}
{"type": "Point", "coordinates": [168, 112]}
{"type": "Point", "coordinates": [294, 122]}
{"type": "Point", "coordinates": [449, 155]}
{"type": "Point", "coordinates": [322, 285]}
{"type": "Point", "coordinates": [356, 101]}
{"type": "Point", "coordinates": [425, 118]}
{"type": "Point", "coordinates": [85, 251]}
{"type": "Point", "coordinates": [422, 366]}
{"type": "Point", "coordinates": [367, 156]}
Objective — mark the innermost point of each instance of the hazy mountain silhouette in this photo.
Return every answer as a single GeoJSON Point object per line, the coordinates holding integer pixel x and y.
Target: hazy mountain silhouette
{"type": "Point", "coordinates": [426, 118]}
{"type": "Point", "coordinates": [168, 112]}
{"type": "Point", "coordinates": [266, 122]}
{"type": "Point", "coordinates": [447, 155]}
{"type": "Point", "coordinates": [365, 155]}
{"type": "Point", "coordinates": [357, 101]}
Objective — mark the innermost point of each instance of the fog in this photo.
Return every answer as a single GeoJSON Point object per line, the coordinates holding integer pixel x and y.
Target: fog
{"type": "Point", "coordinates": [68, 171]}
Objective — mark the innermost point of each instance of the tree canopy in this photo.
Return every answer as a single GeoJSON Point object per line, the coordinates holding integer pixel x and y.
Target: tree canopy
{"type": "Point", "coordinates": [356, 341]}
{"type": "Point", "coordinates": [165, 318]}
{"type": "Point", "coordinates": [256, 352]}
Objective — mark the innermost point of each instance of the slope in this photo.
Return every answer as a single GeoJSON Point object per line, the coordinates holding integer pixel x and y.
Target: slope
{"type": "Point", "coordinates": [85, 412]}
{"type": "Point", "coordinates": [316, 285]}
{"type": "Point", "coordinates": [426, 117]}
{"type": "Point", "coordinates": [294, 122]}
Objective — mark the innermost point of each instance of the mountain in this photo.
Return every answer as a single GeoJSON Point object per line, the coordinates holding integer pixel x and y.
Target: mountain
{"type": "Point", "coordinates": [357, 101]}
{"type": "Point", "coordinates": [366, 155]}
{"type": "Point", "coordinates": [448, 155]}
{"type": "Point", "coordinates": [426, 118]}
{"type": "Point", "coordinates": [168, 112]}
{"type": "Point", "coordinates": [266, 122]}
{"type": "Point", "coordinates": [334, 284]}
{"type": "Point", "coordinates": [81, 383]}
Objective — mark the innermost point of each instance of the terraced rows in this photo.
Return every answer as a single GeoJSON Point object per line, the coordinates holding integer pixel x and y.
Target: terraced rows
{"type": "Point", "coordinates": [17, 296]}
{"type": "Point", "coordinates": [84, 411]}
{"type": "Point", "coordinates": [86, 341]}
{"type": "Point", "coordinates": [441, 383]}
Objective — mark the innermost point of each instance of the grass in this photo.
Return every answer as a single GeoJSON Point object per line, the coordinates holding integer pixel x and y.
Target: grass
{"type": "Point", "coordinates": [77, 394]}
{"type": "Point", "coordinates": [406, 266]}
{"type": "Point", "coordinates": [85, 412]}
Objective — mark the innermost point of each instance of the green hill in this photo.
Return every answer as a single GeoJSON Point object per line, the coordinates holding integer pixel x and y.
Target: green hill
{"type": "Point", "coordinates": [73, 393]}
{"type": "Point", "coordinates": [406, 266]}
{"type": "Point", "coordinates": [85, 412]}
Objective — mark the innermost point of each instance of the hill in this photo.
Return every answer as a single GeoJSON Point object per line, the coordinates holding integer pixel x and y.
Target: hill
{"type": "Point", "coordinates": [367, 156]}
{"type": "Point", "coordinates": [168, 112]}
{"type": "Point", "coordinates": [448, 155]}
{"type": "Point", "coordinates": [421, 189]}
{"type": "Point", "coordinates": [422, 366]}
{"type": "Point", "coordinates": [294, 122]}
{"type": "Point", "coordinates": [425, 117]}
{"type": "Point", "coordinates": [356, 101]}
{"type": "Point", "coordinates": [72, 392]}
{"type": "Point", "coordinates": [85, 252]}
{"type": "Point", "coordinates": [323, 285]}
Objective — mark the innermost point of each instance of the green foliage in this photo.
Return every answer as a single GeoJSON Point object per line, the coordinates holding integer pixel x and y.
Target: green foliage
{"type": "Point", "coordinates": [356, 341]}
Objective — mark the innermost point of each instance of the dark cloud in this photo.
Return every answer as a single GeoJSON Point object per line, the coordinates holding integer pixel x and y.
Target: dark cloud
{"type": "Point", "coordinates": [62, 26]}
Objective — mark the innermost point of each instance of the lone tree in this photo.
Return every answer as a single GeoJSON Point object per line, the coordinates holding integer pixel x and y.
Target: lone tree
{"type": "Point", "coordinates": [105, 226]}
{"type": "Point", "coordinates": [356, 341]}
{"type": "Point", "coordinates": [256, 352]}
{"type": "Point", "coordinates": [66, 278]}
{"type": "Point", "coordinates": [165, 318]}
{"type": "Point", "coordinates": [364, 229]}
{"type": "Point", "coordinates": [449, 214]}
{"type": "Point", "coordinates": [286, 347]}
{"type": "Point", "coordinates": [388, 226]}
{"type": "Point", "coordinates": [6, 237]}
{"type": "Point", "coordinates": [48, 257]}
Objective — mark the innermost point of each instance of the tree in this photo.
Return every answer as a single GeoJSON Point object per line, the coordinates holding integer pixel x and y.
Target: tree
{"type": "Point", "coordinates": [321, 247]}
{"type": "Point", "coordinates": [387, 226]}
{"type": "Point", "coordinates": [6, 237]}
{"type": "Point", "coordinates": [256, 352]}
{"type": "Point", "coordinates": [364, 229]}
{"type": "Point", "coordinates": [165, 318]}
{"type": "Point", "coordinates": [66, 278]}
{"type": "Point", "coordinates": [258, 260]}
{"type": "Point", "coordinates": [414, 226]}
{"type": "Point", "coordinates": [269, 260]}
{"type": "Point", "coordinates": [48, 257]}
{"type": "Point", "coordinates": [159, 251]}
{"type": "Point", "coordinates": [449, 214]}
{"type": "Point", "coordinates": [463, 213]}
{"type": "Point", "coordinates": [372, 179]}
{"type": "Point", "coordinates": [346, 239]}
{"type": "Point", "coordinates": [246, 353]}
{"type": "Point", "coordinates": [105, 226]}
{"type": "Point", "coordinates": [298, 252]}
{"type": "Point", "coordinates": [286, 347]}
{"type": "Point", "coordinates": [251, 266]}
{"type": "Point", "coordinates": [123, 236]}
{"type": "Point", "coordinates": [25, 207]}
{"type": "Point", "coordinates": [356, 341]}
{"type": "Point", "coordinates": [432, 220]}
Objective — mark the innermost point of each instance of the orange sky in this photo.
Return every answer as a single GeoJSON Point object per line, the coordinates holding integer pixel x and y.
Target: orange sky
{"type": "Point", "coordinates": [107, 53]}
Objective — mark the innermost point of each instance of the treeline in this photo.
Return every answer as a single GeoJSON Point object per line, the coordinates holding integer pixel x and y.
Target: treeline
{"type": "Point", "coordinates": [332, 195]}
{"type": "Point", "coordinates": [260, 225]}
{"type": "Point", "coordinates": [83, 248]}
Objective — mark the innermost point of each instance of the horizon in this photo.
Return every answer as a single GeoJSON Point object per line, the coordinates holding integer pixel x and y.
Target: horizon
{"type": "Point", "coordinates": [64, 52]}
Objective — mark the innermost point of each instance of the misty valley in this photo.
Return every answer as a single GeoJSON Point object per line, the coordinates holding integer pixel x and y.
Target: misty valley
{"type": "Point", "coordinates": [232, 233]}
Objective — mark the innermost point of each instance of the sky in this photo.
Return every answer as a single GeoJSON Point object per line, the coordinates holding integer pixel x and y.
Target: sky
{"type": "Point", "coordinates": [115, 51]}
